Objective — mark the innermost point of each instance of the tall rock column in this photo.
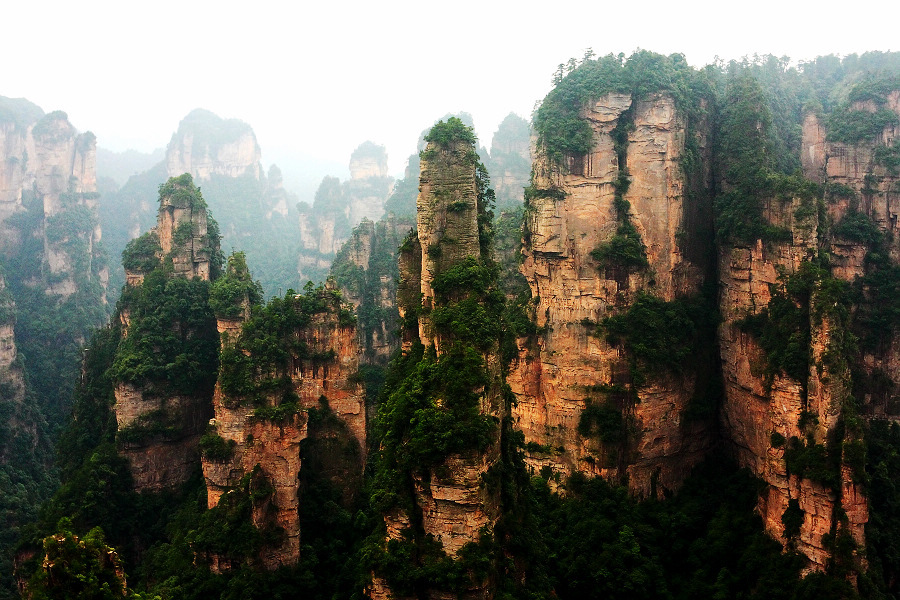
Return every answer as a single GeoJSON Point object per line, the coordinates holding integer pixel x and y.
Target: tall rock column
{"type": "Point", "coordinates": [792, 251]}
{"type": "Point", "coordinates": [442, 412]}
{"type": "Point", "coordinates": [165, 366]}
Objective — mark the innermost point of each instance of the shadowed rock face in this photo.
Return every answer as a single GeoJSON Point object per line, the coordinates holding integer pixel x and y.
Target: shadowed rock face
{"type": "Point", "coordinates": [167, 455]}
{"type": "Point", "coordinates": [757, 409]}
{"type": "Point", "coordinates": [572, 214]}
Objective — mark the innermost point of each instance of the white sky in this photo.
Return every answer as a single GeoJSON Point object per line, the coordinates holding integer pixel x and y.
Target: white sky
{"type": "Point", "coordinates": [315, 79]}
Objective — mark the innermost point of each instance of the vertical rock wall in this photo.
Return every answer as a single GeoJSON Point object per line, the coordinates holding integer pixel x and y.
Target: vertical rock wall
{"type": "Point", "coordinates": [452, 502]}
{"type": "Point", "coordinates": [760, 412]}
{"type": "Point", "coordinates": [572, 214]}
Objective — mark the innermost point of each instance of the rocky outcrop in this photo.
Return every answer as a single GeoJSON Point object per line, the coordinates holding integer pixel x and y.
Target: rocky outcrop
{"type": "Point", "coordinates": [509, 163]}
{"type": "Point", "coordinates": [771, 418]}
{"type": "Point", "coordinates": [159, 424]}
{"type": "Point", "coordinates": [12, 378]}
{"type": "Point", "coordinates": [366, 271]}
{"type": "Point", "coordinates": [574, 211]}
{"type": "Point", "coordinates": [158, 433]}
{"type": "Point", "coordinates": [452, 502]}
{"type": "Point", "coordinates": [49, 170]}
{"type": "Point", "coordinates": [262, 437]}
{"type": "Point", "coordinates": [339, 207]}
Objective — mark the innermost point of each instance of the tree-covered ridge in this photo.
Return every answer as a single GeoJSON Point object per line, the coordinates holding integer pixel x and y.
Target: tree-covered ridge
{"type": "Point", "coordinates": [257, 365]}
{"type": "Point", "coordinates": [557, 538]}
{"type": "Point", "coordinates": [209, 131]}
{"type": "Point", "coordinates": [232, 295]}
{"type": "Point", "coordinates": [558, 122]}
{"type": "Point", "coordinates": [19, 112]}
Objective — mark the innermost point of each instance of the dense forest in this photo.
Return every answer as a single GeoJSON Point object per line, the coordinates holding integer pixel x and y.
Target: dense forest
{"type": "Point", "coordinates": [664, 367]}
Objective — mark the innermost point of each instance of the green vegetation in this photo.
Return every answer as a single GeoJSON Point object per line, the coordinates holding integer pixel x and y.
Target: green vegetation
{"type": "Point", "coordinates": [783, 327]}
{"type": "Point", "coordinates": [558, 123]}
{"type": "Point", "coordinates": [857, 227]}
{"type": "Point", "coordinates": [368, 283]}
{"type": "Point", "coordinates": [624, 250]}
{"type": "Point", "coordinates": [45, 127]}
{"type": "Point", "coordinates": [172, 341]}
{"type": "Point", "coordinates": [142, 254]}
{"type": "Point", "coordinates": [658, 335]}
{"type": "Point", "coordinates": [257, 366]}
{"type": "Point", "coordinates": [750, 167]}
{"type": "Point", "coordinates": [602, 420]}
{"type": "Point", "coordinates": [852, 125]}
{"type": "Point", "coordinates": [182, 193]}
{"type": "Point", "coordinates": [77, 569]}
{"type": "Point", "coordinates": [236, 291]}
{"type": "Point", "coordinates": [452, 131]}
{"type": "Point", "coordinates": [811, 460]}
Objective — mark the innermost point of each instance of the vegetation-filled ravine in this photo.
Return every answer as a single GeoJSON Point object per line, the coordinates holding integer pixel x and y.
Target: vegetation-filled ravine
{"type": "Point", "coordinates": [669, 373]}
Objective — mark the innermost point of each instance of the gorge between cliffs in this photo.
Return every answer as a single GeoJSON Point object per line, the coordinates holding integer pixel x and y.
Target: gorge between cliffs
{"type": "Point", "coordinates": [665, 365]}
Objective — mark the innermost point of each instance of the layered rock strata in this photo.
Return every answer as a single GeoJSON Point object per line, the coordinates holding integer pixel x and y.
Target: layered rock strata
{"type": "Point", "coordinates": [573, 212]}
{"type": "Point", "coordinates": [760, 410]}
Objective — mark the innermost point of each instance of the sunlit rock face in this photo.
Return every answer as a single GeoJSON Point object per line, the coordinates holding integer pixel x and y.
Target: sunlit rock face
{"type": "Point", "coordinates": [573, 212]}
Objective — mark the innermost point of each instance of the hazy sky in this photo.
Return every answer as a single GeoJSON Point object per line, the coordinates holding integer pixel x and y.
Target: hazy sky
{"type": "Point", "coordinates": [315, 79]}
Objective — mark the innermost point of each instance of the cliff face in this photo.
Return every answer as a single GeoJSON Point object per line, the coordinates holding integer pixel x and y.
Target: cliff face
{"type": "Point", "coordinates": [340, 206]}
{"type": "Point", "coordinates": [775, 421]}
{"type": "Point", "coordinates": [12, 378]}
{"type": "Point", "coordinates": [159, 420]}
{"type": "Point", "coordinates": [366, 271]}
{"type": "Point", "coordinates": [574, 211]}
{"type": "Point", "coordinates": [509, 162]}
{"type": "Point", "coordinates": [262, 435]}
